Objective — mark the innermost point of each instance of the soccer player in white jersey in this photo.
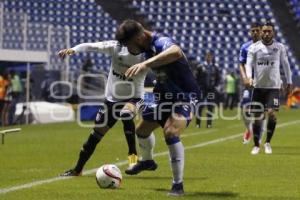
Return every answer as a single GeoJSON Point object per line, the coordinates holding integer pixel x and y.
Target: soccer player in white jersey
{"type": "Point", "coordinates": [123, 97]}
{"type": "Point", "coordinates": [265, 58]}
{"type": "Point", "coordinates": [247, 92]}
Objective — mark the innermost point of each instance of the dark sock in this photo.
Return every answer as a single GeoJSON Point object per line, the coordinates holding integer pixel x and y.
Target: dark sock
{"type": "Point", "coordinates": [209, 114]}
{"type": "Point", "coordinates": [270, 129]}
{"type": "Point", "coordinates": [87, 150]}
{"type": "Point", "coordinates": [199, 115]}
{"type": "Point", "coordinates": [256, 133]}
{"type": "Point", "coordinates": [198, 122]}
{"type": "Point", "coordinates": [129, 131]}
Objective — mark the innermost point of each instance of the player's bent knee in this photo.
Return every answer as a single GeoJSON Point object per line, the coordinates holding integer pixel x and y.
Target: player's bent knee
{"type": "Point", "coordinates": [271, 113]}
{"type": "Point", "coordinates": [127, 115]}
{"type": "Point", "coordinates": [171, 131]}
{"type": "Point", "coordinates": [144, 129]}
{"type": "Point", "coordinates": [142, 133]}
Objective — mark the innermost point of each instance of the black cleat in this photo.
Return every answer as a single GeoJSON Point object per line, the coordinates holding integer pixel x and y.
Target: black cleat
{"type": "Point", "coordinates": [177, 190]}
{"type": "Point", "coordinates": [71, 172]}
{"type": "Point", "coordinates": [149, 165]}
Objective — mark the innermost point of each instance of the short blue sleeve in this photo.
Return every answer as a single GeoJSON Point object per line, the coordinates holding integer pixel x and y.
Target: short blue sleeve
{"type": "Point", "coordinates": [243, 55]}
{"type": "Point", "coordinates": [163, 43]}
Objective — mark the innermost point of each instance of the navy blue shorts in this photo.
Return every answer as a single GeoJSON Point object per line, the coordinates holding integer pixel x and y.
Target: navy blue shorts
{"type": "Point", "coordinates": [162, 111]}
{"type": "Point", "coordinates": [109, 112]}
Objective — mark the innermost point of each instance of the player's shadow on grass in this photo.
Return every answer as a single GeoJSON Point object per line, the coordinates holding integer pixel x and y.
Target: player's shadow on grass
{"type": "Point", "coordinates": [224, 194]}
{"type": "Point", "coordinates": [212, 194]}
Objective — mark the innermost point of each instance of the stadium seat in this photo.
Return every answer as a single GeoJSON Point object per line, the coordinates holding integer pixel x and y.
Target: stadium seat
{"type": "Point", "coordinates": [87, 22]}
{"type": "Point", "coordinates": [295, 9]}
{"type": "Point", "coordinates": [223, 24]}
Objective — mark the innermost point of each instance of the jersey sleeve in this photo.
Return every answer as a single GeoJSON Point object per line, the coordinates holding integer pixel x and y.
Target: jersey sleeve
{"type": "Point", "coordinates": [286, 65]}
{"type": "Point", "coordinates": [163, 43]}
{"type": "Point", "coordinates": [243, 55]}
{"type": "Point", "coordinates": [250, 62]}
{"type": "Point", "coordinates": [106, 47]}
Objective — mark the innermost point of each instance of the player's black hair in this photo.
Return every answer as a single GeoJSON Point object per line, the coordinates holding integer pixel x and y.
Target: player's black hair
{"type": "Point", "coordinates": [127, 30]}
{"type": "Point", "coordinates": [255, 25]}
{"type": "Point", "coordinates": [269, 23]}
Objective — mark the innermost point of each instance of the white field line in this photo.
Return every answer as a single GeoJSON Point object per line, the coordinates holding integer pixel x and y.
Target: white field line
{"type": "Point", "coordinates": [121, 163]}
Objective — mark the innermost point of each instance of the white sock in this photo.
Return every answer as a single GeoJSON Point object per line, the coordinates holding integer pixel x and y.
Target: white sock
{"type": "Point", "coordinates": [146, 147]}
{"type": "Point", "coordinates": [263, 127]}
{"type": "Point", "coordinates": [176, 152]}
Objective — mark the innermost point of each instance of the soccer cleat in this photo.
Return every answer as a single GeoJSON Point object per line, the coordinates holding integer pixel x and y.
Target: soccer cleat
{"type": "Point", "coordinates": [177, 190]}
{"type": "Point", "coordinates": [255, 150]}
{"type": "Point", "coordinates": [71, 172]}
{"type": "Point", "coordinates": [198, 126]}
{"type": "Point", "coordinates": [132, 160]}
{"type": "Point", "coordinates": [268, 149]}
{"type": "Point", "coordinates": [208, 126]}
{"type": "Point", "coordinates": [247, 137]}
{"type": "Point", "coordinates": [142, 166]}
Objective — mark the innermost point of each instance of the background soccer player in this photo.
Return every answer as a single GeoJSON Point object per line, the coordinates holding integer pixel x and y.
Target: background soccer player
{"type": "Point", "coordinates": [121, 93]}
{"type": "Point", "coordinates": [175, 87]}
{"type": "Point", "coordinates": [265, 58]}
{"type": "Point", "coordinates": [255, 30]}
{"type": "Point", "coordinates": [208, 77]}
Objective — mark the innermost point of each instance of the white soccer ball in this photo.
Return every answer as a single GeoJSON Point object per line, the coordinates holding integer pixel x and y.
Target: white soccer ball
{"type": "Point", "coordinates": [109, 176]}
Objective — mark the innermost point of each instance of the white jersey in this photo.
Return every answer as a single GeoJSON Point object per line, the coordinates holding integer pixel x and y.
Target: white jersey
{"type": "Point", "coordinates": [265, 61]}
{"type": "Point", "coordinates": [118, 87]}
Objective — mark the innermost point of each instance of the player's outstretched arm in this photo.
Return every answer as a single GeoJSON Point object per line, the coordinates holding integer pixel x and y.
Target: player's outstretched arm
{"type": "Point", "coordinates": [106, 47]}
{"type": "Point", "coordinates": [168, 56]}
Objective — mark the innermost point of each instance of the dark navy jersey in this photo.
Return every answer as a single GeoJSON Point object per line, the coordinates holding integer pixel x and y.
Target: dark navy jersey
{"type": "Point", "coordinates": [244, 52]}
{"type": "Point", "coordinates": [175, 78]}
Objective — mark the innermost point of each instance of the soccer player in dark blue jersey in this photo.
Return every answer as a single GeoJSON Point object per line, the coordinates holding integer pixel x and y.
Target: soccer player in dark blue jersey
{"type": "Point", "coordinates": [255, 30]}
{"type": "Point", "coordinates": [175, 90]}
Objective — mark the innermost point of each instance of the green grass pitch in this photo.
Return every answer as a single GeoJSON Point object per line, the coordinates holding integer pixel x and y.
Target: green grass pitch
{"type": "Point", "coordinates": [218, 165]}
